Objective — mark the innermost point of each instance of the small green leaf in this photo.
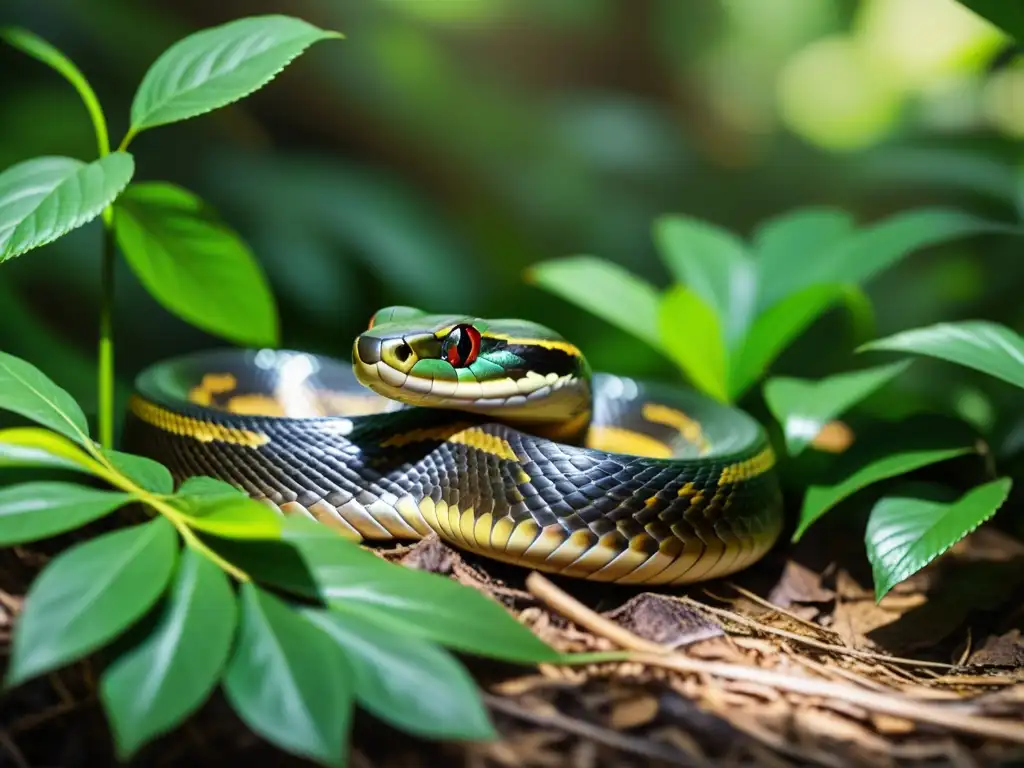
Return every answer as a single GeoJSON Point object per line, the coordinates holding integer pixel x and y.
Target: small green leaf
{"type": "Point", "coordinates": [287, 680]}
{"type": "Point", "coordinates": [35, 447]}
{"type": "Point", "coordinates": [405, 681]}
{"type": "Point", "coordinates": [1008, 16]}
{"type": "Point", "coordinates": [775, 328]}
{"type": "Point", "coordinates": [220, 509]}
{"type": "Point", "coordinates": [604, 289]}
{"type": "Point", "coordinates": [46, 197]}
{"type": "Point", "coordinates": [315, 562]}
{"type": "Point", "coordinates": [193, 264]}
{"type": "Point", "coordinates": [819, 499]}
{"type": "Point", "coordinates": [218, 66]}
{"type": "Point", "coordinates": [146, 473]}
{"type": "Point", "coordinates": [715, 265]}
{"type": "Point", "coordinates": [784, 245]}
{"type": "Point", "coordinates": [33, 511]}
{"type": "Point", "coordinates": [987, 347]}
{"type": "Point", "coordinates": [692, 338]}
{"type": "Point", "coordinates": [89, 594]}
{"type": "Point", "coordinates": [804, 407]}
{"type": "Point", "coordinates": [154, 685]}
{"type": "Point", "coordinates": [27, 391]}
{"type": "Point", "coordinates": [905, 534]}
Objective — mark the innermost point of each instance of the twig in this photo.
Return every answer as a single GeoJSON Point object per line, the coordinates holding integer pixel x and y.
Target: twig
{"type": "Point", "coordinates": [753, 597]}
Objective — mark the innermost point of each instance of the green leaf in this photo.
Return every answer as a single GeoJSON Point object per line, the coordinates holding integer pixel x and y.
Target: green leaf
{"type": "Point", "coordinates": [89, 594]}
{"type": "Point", "coordinates": [154, 685]}
{"type": "Point", "coordinates": [715, 265]}
{"type": "Point", "coordinates": [692, 337]}
{"type": "Point", "coordinates": [33, 511]}
{"type": "Point", "coordinates": [146, 473]}
{"type": "Point", "coordinates": [785, 244]}
{"type": "Point", "coordinates": [46, 197]}
{"type": "Point", "coordinates": [407, 682]}
{"type": "Point", "coordinates": [805, 407]}
{"type": "Point", "coordinates": [35, 447]}
{"type": "Point", "coordinates": [905, 534]}
{"type": "Point", "coordinates": [194, 265]}
{"type": "Point", "coordinates": [987, 347]}
{"type": "Point", "coordinates": [1008, 16]}
{"type": "Point", "coordinates": [890, 461]}
{"type": "Point", "coordinates": [604, 289]}
{"type": "Point", "coordinates": [217, 508]}
{"type": "Point", "coordinates": [218, 66]}
{"type": "Point", "coordinates": [38, 48]}
{"type": "Point", "coordinates": [27, 391]}
{"type": "Point", "coordinates": [315, 562]}
{"type": "Point", "coordinates": [776, 328]}
{"type": "Point", "coordinates": [287, 680]}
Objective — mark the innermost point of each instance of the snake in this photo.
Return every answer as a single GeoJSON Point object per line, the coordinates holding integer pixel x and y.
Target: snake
{"type": "Point", "coordinates": [493, 434]}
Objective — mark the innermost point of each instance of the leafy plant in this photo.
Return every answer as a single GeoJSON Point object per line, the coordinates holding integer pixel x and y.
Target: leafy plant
{"type": "Point", "coordinates": [733, 307]}
{"type": "Point", "coordinates": [295, 623]}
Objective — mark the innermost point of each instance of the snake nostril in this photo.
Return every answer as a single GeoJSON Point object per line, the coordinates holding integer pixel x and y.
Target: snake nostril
{"type": "Point", "coordinates": [402, 352]}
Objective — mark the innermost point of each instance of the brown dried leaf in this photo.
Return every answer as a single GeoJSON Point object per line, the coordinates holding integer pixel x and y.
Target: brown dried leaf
{"type": "Point", "coordinates": [664, 620]}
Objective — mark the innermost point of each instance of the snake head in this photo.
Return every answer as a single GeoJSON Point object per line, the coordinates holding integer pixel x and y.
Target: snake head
{"type": "Point", "coordinates": [508, 368]}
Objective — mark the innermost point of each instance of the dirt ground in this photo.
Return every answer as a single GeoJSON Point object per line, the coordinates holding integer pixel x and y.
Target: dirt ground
{"type": "Point", "coordinates": [791, 662]}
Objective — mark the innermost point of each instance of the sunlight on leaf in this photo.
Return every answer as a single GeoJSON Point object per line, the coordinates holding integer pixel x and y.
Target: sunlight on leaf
{"type": "Point", "coordinates": [905, 534]}
{"type": "Point", "coordinates": [89, 594]}
{"type": "Point", "coordinates": [194, 265]}
{"type": "Point", "coordinates": [287, 680]}
{"type": "Point", "coordinates": [44, 198]}
{"type": "Point", "coordinates": [987, 347]}
{"type": "Point", "coordinates": [220, 509]}
{"type": "Point", "coordinates": [146, 473]}
{"type": "Point", "coordinates": [1007, 16]}
{"type": "Point", "coordinates": [38, 510]}
{"type": "Point", "coordinates": [692, 338]}
{"type": "Point", "coordinates": [217, 66]}
{"type": "Point", "coordinates": [407, 681]}
{"type": "Point", "coordinates": [154, 685]}
{"type": "Point", "coordinates": [35, 447]}
{"type": "Point", "coordinates": [27, 391]}
{"type": "Point", "coordinates": [803, 407]}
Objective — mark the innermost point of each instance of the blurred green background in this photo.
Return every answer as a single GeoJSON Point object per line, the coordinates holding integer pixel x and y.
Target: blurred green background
{"type": "Point", "coordinates": [446, 145]}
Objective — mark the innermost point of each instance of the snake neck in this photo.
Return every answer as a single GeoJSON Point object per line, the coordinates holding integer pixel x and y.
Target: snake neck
{"type": "Point", "coordinates": [564, 415]}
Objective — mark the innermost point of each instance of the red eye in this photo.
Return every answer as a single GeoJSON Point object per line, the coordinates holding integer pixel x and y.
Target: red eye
{"type": "Point", "coordinates": [461, 346]}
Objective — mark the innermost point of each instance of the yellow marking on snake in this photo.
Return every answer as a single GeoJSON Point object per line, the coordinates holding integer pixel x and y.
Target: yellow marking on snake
{"type": "Point", "coordinates": [255, 405]}
{"type": "Point", "coordinates": [749, 468]}
{"type": "Point", "coordinates": [689, 428]}
{"type": "Point", "coordinates": [210, 385]}
{"type": "Point", "coordinates": [687, 489]}
{"type": "Point", "coordinates": [185, 426]}
{"type": "Point", "coordinates": [458, 434]}
{"type": "Point", "coordinates": [621, 440]}
{"type": "Point", "coordinates": [561, 346]}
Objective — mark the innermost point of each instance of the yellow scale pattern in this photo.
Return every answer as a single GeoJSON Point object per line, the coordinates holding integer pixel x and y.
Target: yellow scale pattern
{"type": "Point", "coordinates": [203, 431]}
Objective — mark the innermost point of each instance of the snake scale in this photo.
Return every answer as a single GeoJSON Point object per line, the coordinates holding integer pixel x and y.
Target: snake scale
{"type": "Point", "coordinates": [492, 433]}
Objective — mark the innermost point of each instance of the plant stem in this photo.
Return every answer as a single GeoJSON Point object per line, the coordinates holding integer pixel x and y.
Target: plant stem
{"type": "Point", "coordinates": [105, 392]}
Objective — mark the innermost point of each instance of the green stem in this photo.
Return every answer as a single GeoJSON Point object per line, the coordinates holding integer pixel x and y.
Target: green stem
{"type": "Point", "coordinates": [106, 350]}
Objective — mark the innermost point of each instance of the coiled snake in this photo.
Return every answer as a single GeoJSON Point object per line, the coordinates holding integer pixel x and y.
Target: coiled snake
{"type": "Point", "coordinates": [492, 433]}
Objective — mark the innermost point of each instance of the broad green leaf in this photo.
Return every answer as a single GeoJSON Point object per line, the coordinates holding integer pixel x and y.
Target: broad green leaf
{"type": "Point", "coordinates": [314, 562]}
{"type": "Point", "coordinates": [40, 49]}
{"type": "Point", "coordinates": [46, 197]}
{"type": "Point", "coordinates": [1007, 15]}
{"type": "Point", "coordinates": [32, 511]}
{"type": "Point", "coordinates": [90, 594]}
{"type": "Point", "coordinates": [217, 508]}
{"type": "Point", "coordinates": [819, 499]}
{"type": "Point", "coordinates": [786, 244]}
{"type": "Point", "coordinates": [715, 265]}
{"type": "Point", "coordinates": [193, 264]}
{"type": "Point", "coordinates": [36, 447]}
{"type": "Point", "coordinates": [407, 681]}
{"type": "Point", "coordinates": [905, 534]}
{"type": "Point", "coordinates": [146, 473]}
{"type": "Point", "coordinates": [692, 337]}
{"type": "Point", "coordinates": [987, 347]}
{"type": "Point", "coordinates": [287, 680]}
{"type": "Point", "coordinates": [804, 407]}
{"type": "Point", "coordinates": [217, 66]}
{"type": "Point", "coordinates": [776, 328]}
{"type": "Point", "coordinates": [27, 391]}
{"type": "Point", "coordinates": [155, 684]}
{"type": "Point", "coordinates": [603, 289]}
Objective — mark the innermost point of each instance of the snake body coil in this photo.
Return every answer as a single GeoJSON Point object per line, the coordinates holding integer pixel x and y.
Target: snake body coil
{"type": "Point", "coordinates": [492, 433]}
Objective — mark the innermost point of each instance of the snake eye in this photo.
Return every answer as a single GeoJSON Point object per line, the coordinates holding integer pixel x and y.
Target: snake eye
{"type": "Point", "coordinates": [461, 346]}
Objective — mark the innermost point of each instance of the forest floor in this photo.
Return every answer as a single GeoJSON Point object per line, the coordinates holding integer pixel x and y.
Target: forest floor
{"type": "Point", "coordinates": [791, 662]}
